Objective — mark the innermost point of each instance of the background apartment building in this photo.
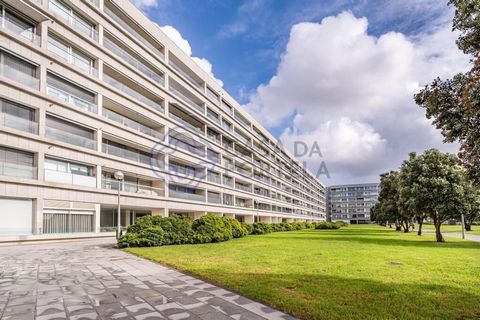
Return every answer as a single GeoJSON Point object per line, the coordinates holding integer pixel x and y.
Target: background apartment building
{"type": "Point", "coordinates": [351, 202]}
{"type": "Point", "coordinates": [90, 87]}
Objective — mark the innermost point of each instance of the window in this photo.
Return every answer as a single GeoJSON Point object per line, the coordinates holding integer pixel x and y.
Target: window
{"type": "Point", "coordinates": [17, 163]}
{"type": "Point", "coordinates": [70, 93]}
{"type": "Point", "coordinates": [69, 132]}
{"type": "Point", "coordinates": [18, 70]}
{"type": "Point", "coordinates": [79, 23]}
{"type": "Point", "coordinates": [16, 23]}
{"type": "Point", "coordinates": [16, 116]}
{"type": "Point", "coordinates": [213, 156]}
{"type": "Point", "coordinates": [227, 125]}
{"type": "Point", "coordinates": [70, 54]}
{"type": "Point", "coordinates": [213, 115]}
{"type": "Point", "coordinates": [58, 165]}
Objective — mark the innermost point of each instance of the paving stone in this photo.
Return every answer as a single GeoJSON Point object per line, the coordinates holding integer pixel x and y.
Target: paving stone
{"type": "Point", "coordinates": [90, 279]}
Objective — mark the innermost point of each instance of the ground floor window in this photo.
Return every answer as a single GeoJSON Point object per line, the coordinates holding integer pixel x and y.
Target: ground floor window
{"type": "Point", "coordinates": [108, 217]}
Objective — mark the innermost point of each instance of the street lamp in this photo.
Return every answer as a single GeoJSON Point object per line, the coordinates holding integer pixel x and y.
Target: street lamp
{"type": "Point", "coordinates": [119, 176]}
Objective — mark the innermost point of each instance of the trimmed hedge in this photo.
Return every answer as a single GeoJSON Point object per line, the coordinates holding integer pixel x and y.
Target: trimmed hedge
{"type": "Point", "coordinates": [149, 231]}
{"type": "Point", "coordinates": [330, 225]}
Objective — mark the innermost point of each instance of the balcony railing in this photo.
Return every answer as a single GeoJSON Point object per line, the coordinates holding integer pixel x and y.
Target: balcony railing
{"type": "Point", "coordinates": [185, 75]}
{"type": "Point", "coordinates": [213, 118]}
{"type": "Point", "coordinates": [243, 155]}
{"type": "Point", "coordinates": [214, 199]}
{"type": "Point", "coordinates": [25, 34]}
{"type": "Point", "coordinates": [77, 24]}
{"type": "Point", "coordinates": [137, 95]}
{"type": "Point", "coordinates": [70, 138]}
{"type": "Point", "coordinates": [193, 173]}
{"type": "Point", "coordinates": [243, 171]}
{"type": "Point", "coordinates": [126, 154]}
{"type": "Point", "coordinates": [60, 52]}
{"type": "Point", "coordinates": [71, 99]}
{"type": "Point", "coordinates": [133, 124]}
{"type": "Point", "coordinates": [187, 100]}
{"type": "Point", "coordinates": [242, 204]}
{"type": "Point", "coordinates": [135, 34]}
{"type": "Point", "coordinates": [243, 187]}
{"type": "Point", "coordinates": [178, 143]}
{"type": "Point", "coordinates": [14, 122]}
{"type": "Point", "coordinates": [227, 127]}
{"type": "Point", "coordinates": [228, 182]}
{"type": "Point", "coordinates": [213, 178]}
{"type": "Point", "coordinates": [243, 139]}
{"type": "Point", "coordinates": [119, 51]}
{"type": "Point", "coordinates": [111, 184]}
{"type": "Point", "coordinates": [186, 124]}
{"type": "Point", "coordinates": [70, 178]}
{"type": "Point", "coordinates": [186, 195]}
{"type": "Point", "coordinates": [212, 96]}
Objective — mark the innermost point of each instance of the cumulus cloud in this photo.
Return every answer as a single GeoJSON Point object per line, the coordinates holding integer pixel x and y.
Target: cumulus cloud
{"type": "Point", "coordinates": [352, 93]}
{"type": "Point", "coordinates": [183, 44]}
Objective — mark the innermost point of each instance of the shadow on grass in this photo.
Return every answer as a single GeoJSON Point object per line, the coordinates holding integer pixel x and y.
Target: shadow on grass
{"type": "Point", "coordinates": [366, 238]}
{"type": "Point", "coordinates": [313, 296]}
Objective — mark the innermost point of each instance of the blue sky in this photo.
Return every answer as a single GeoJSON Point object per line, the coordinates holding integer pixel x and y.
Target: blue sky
{"type": "Point", "coordinates": [339, 73]}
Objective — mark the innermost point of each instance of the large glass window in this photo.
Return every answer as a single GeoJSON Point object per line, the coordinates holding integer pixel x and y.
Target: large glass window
{"type": "Point", "coordinates": [15, 22]}
{"type": "Point", "coordinates": [78, 22]}
{"type": "Point", "coordinates": [17, 163]}
{"type": "Point", "coordinates": [19, 70]}
{"type": "Point", "coordinates": [70, 93]}
{"type": "Point", "coordinates": [69, 132]}
{"type": "Point", "coordinates": [70, 54]}
{"type": "Point", "coordinates": [16, 116]}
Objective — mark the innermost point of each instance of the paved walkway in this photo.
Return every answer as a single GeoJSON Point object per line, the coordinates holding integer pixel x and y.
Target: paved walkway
{"type": "Point", "coordinates": [92, 280]}
{"type": "Point", "coordinates": [471, 237]}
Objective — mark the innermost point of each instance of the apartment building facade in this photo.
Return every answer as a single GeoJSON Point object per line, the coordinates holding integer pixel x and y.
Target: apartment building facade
{"type": "Point", "coordinates": [92, 87]}
{"type": "Point", "coordinates": [351, 203]}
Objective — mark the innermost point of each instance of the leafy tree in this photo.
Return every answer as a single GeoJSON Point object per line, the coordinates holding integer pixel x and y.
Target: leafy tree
{"type": "Point", "coordinates": [407, 199]}
{"type": "Point", "coordinates": [472, 204]}
{"type": "Point", "coordinates": [387, 209]}
{"type": "Point", "coordinates": [454, 104]}
{"type": "Point", "coordinates": [437, 187]}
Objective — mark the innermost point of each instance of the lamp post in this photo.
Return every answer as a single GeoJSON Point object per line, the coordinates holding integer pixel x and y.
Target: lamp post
{"type": "Point", "coordinates": [119, 176]}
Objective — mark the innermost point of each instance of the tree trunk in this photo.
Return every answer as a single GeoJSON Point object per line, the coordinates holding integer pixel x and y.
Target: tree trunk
{"type": "Point", "coordinates": [468, 227]}
{"type": "Point", "coordinates": [420, 224]}
{"type": "Point", "coordinates": [438, 234]}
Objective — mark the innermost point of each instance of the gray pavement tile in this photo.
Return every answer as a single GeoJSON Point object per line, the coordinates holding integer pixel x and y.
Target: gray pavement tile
{"type": "Point", "coordinates": [215, 316]}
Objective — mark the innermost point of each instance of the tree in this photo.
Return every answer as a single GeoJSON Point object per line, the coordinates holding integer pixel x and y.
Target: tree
{"type": "Point", "coordinates": [387, 209]}
{"type": "Point", "coordinates": [436, 187]}
{"type": "Point", "coordinates": [407, 199]}
{"type": "Point", "coordinates": [454, 104]}
{"type": "Point", "coordinates": [472, 203]}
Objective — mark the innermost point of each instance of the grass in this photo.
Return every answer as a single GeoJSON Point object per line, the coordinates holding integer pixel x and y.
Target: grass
{"type": "Point", "coordinates": [357, 272]}
{"type": "Point", "coordinates": [453, 228]}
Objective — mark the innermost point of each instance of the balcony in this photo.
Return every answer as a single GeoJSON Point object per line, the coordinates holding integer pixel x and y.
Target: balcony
{"type": "Point", "coordinates": [228, 182]}
{"type": "Point", "coordinates": [130, 187]}
{"type": "Point", "coordinates": [71, 99]}
{"type": "Point", "coordinates": [18, 170]}
{"type": "Point", "coordinates": [132, 61]}
{"type": "Point", "coordinates": [72, 56]}
{"type": "Point", "coordinates": [214, 198]}
{"type": "Point", "coordinates": [212, 95]}
{"type": "Point", "coordinates": [243, 155]}
{"type": "Point", "coordinates": [23, 30]}
{"type": "Point", "coordinates": [14, 122]}
{"type": "Point", "coordinates": [190, 172]}
{"type": "Point", "coordinates": [127, 88]}
{"type": "Point", "coordinates": [73, 20]}
{"type": "Point", "coordinates": [127, 122]}
{"type": "Point", "coordinates": [186, 124]}
{"type": "Point", "coordinates": [70, 138]}
{"type": "Point", "coordinates": [18, 70]}
{"type": "Point", "coordinates": [243, 171]}
{"type": "Point", "coordinates": [186, 99]}
{"type": "Point", "coordinates": [185, 75]}
{"type": "Point", "coordinates": [70, 178]}
{"type": "Point", "coordinates": [128, 154]}
{"type": "Point", "coordinates": [179, 140]}
{"type": "Point", "coordinates": [243, 139]}
{"type": "Point", "coordinates": [242, 204]}
{"type": "Point", "coordinates": [136, 35]}
{"type": "Point", "coordinates": [186, 195]}
{"type": "Point", "coordinates": [243, 187]}
{"type": "Point", "coordinates": [215, 178]}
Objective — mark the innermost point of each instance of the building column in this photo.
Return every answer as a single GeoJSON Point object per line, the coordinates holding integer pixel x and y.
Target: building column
{"type": "Point", "coordinates": [40, 160]}
{"type": "Point", "coordinates": [98, 175]}
{"type": "Point", "coordinates": [97, 218]}
{"type": "Point", "coordinates": [37, 209]}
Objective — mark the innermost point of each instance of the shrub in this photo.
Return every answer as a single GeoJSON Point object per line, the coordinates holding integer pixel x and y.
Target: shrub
{"type": "Point", "coordinates": [328, 225]}
{"type": "Point", "coordinates": [148, 237]}
{"type": "Point", "coordinates": [341, 223]}
{"type": "Point", "coordinates": [178, 229]}
{"type": "Point", "coordinates": [211, 228]}
{"type": "Point", "coordinates": [129, 240]}
{"type": "Point", "coordinates": [237, 228]}
{"type": "Point", "coordinates": [248, 227]}
{"type": "Point", "coordinates": [261, 228]}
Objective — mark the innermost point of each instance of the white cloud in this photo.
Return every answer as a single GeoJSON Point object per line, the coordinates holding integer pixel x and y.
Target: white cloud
{"type": "Point", "coordinates": [353, 93]}
{"type": "Point", "coordinates": [184, 45]}
{"type": "Point", "coordinates": [145, 3]}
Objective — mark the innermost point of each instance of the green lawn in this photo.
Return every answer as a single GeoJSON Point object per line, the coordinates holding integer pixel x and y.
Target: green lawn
{"type": "Point", "coordinates": [453, 228]}
{"type": "Point", "coordinates": [358, 272]}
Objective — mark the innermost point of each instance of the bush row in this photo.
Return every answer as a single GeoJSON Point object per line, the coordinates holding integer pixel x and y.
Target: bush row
{"type": "Point", "coordinates": [330, 225]}
{"type": "Point", "coordinates": [152, 231]}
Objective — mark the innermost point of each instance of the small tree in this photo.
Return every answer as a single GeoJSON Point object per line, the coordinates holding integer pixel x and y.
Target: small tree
{"type": "Point", "coordinates": [436, 187]}
{"type": "Point", "coordinates": [472, 204]}
{"type": "Point", "coordinates": [408, 197]}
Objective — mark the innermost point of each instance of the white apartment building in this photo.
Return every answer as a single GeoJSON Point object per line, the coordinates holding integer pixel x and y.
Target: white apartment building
{"type": "Point", "coordinates": [91, 87]}
{"type": "Point", "coordinates": [351, 203]}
